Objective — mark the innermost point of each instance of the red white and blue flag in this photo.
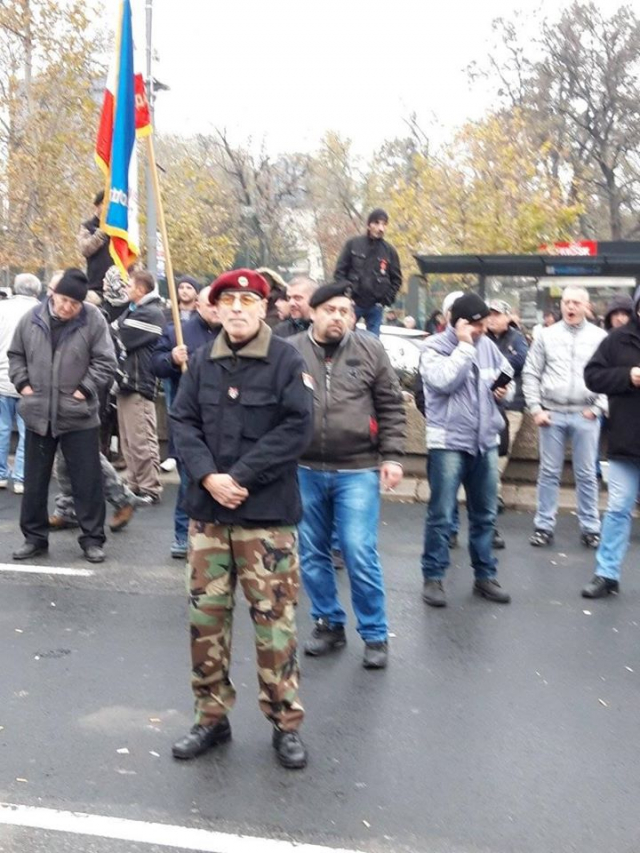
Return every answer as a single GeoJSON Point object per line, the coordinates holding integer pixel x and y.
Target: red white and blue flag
{"type": "Point", "coordinates": [125, 116]}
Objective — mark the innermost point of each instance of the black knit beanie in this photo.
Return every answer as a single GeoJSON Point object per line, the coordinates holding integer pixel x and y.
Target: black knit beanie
{"type": "Point", "coordinates": [469, 307]}
{"type": "Point", "coordinates": [189, 279]}
{"type": "Point", "coordinates": [377, 215]}
{"type": "Point", "coordinates": [73, 284]}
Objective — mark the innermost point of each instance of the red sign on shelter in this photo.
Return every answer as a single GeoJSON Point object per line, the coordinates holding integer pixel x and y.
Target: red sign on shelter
{"type": "Point", "coordinates": [578, 248]}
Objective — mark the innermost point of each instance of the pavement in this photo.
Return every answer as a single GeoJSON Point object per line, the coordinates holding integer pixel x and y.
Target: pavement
{"type": "Point", "coordinates": [495, 728]}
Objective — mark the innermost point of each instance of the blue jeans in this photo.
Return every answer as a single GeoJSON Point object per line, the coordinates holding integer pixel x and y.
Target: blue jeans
{"type": "Point", "coordinates": [351, 499]}
{"type": "Point", "coordinates": [8, 414]}
{"type": "Point", "coordinates": [624, 480]}
{"type": "Point", "coordinates": [167, 385]}
{"type": "Point", "coordinates": [372, 318]}
{"type": "Point", "coordinates": [585, 436]}
{"type": "Point", "coordinates": [446, 470]}
{"type": "Point", "coordinates": [180, 517]}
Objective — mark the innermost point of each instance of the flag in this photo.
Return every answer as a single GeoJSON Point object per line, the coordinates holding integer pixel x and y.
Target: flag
{"type": "Point", "coordinates": [125, 116]}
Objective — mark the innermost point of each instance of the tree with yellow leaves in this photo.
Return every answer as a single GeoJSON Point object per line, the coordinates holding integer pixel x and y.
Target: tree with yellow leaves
{"type": "Point", "coordinates": [199, 209]}
{"type": "Point", "coordinates": [488, 192]}
{"type": "Point", "coordinates": [50, 85]}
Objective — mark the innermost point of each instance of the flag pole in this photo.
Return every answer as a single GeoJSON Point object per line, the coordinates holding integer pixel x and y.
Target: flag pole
{"type": "Point", "coordinates": [173, 293]}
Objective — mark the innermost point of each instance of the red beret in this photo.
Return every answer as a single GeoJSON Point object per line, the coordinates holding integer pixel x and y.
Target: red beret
{"type": "Point", "coordinates": [240, 280]}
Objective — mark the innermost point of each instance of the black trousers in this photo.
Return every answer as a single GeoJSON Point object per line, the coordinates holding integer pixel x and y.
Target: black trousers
{"type": "Point", "coordinates": [81, 451]}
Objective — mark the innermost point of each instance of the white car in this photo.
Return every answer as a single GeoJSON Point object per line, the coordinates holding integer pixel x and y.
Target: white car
{"type": "Point", "coordinates": [403, 347]}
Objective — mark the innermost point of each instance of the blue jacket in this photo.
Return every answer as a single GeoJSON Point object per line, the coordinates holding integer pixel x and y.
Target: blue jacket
{"type": "Point", "coordinates": [514, 348]}
{"type": "Point", "coordinates": [461, 411]}
{"type": "Point", "coordinates": [195, 333]}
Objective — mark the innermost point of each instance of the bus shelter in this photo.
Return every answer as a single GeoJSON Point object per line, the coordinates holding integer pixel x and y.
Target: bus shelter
{"type": "Point", "coordinates": [534, 283]}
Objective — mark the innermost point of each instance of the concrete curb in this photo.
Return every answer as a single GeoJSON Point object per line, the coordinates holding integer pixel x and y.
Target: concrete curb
{"type": "Point", "coordinates": [519, 496]}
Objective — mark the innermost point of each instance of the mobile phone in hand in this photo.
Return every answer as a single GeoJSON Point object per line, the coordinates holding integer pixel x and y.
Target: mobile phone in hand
{"type": "Point", "coordinates": [502, 381]}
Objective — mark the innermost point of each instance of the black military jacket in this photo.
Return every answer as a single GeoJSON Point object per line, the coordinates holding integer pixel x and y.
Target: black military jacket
{"type": "Point", "coordinates": [248, 414]}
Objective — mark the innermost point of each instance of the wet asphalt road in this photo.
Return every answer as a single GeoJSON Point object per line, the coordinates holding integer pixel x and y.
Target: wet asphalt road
{"type": "Point", "coordinates": [494, 729]}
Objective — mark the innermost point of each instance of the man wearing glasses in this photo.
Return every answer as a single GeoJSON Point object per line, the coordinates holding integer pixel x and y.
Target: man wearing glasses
{"type": "Point", "coordinates": [241, 419]}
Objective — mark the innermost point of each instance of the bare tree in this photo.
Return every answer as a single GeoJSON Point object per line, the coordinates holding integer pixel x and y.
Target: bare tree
{"type": "Point", "coordinates": [579, 84]}
{"type": "Point", "coordinates": [265, 192]}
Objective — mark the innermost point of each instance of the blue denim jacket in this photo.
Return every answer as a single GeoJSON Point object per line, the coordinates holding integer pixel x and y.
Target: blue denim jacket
{"type": "Point", "coordinates": [460, 408]}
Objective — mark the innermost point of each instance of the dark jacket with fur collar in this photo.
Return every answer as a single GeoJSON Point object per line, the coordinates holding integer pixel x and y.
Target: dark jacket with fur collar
{"type": "Point", "coordinates": [247, 414]}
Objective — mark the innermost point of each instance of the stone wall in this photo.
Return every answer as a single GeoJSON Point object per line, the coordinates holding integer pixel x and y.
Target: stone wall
{"type": "Point", "coordinates": [522, 468]}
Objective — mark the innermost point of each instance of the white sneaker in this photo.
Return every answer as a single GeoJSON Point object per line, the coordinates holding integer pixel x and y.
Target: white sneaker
{"type": "Point", "coordinates": [169, 464]}
{"type": "Point", "coordinates": [4, 484]}
{"type": "Point", "coordinates": [18, 488]}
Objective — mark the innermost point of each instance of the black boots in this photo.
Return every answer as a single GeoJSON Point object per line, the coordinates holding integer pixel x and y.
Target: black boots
{"type": "Point", "coordinates": [202, 738]}
{"type": "Point", "coordinates": [290, 750]}
{"type": "Point", "coordinates": [325, 638]}
{"type": "Point", "coordinates": [599, 587]}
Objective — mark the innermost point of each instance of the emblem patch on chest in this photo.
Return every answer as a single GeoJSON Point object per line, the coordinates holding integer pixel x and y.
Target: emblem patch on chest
{"type": "Point", "coordinates": [233, 393]}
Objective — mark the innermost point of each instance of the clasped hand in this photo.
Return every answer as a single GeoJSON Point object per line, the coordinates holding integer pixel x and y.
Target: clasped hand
{"type": "Point", "coordinates": [224, 489]}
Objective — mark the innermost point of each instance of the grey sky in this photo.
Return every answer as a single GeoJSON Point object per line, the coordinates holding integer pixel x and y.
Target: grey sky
{"type": "Point", "coordinates": [288, 70]}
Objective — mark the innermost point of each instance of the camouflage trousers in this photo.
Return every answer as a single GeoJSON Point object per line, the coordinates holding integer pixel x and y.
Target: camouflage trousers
{"type": "Point", "coordinates": [265, 561]}
{"type": "Point", "coordinates": [116, 491]}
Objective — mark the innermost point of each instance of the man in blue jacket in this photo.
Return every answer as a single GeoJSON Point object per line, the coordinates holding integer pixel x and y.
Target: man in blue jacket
{"type": "Point", "coordinates": [459, 368]}
{"type": "Point", "coordinates": [502, 330]}
{"type": "Point", "coordinates": [167, 360]}
{"type": "Point", "coordinates": [242, 417]}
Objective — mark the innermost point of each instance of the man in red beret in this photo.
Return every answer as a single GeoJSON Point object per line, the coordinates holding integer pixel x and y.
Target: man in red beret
{"type": "Point", "coordinates": [241, 419]}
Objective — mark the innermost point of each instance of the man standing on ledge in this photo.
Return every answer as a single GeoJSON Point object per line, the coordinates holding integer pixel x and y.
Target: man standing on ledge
{"type": "Point", "coordinates": [60, 360]}
{"type": "Point", "coordinates": [358, 443]}
{"type": "Point", "coordinates": [372, 267]}
{"type": "Point", "coordinates": [241, 419]}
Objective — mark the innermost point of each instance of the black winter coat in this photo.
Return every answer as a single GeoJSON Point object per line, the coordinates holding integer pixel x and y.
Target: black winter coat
{"type": "Point", "coordinates": [608, 372]}
{"type": "Point", "coordinates": [373, 268]}
{"type": "Point", "coordinates": [249, 415]}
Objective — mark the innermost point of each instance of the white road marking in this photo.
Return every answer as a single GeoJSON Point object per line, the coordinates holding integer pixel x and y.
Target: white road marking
{"type": "Point", "coordinates": [163, 835]}
{"type": "Point", "coordinates": [45, 570]}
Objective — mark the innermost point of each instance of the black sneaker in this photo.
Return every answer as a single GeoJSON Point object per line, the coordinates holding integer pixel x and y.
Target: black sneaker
{"type": "Point", "coordinates": [325, 638]}
{"type": "Point", "coordinates": [599, 587]}
{"type": "Point", "coordinates": [290, 750]}
{"type": "Point", "coordinates": [498, 542]}
{"type": "Point", "coordinates": [491, 590]}
{"type": "Point", "coordinates": [433, 593]}
{"type": "Point", "coordinates": [453, 540]}
{"type": "Point", "coordinates": [590, 540]}
{"type": "Point", "coordinates": [200, 739]}
{"type": "Point", "coordinates": [541, 538]}
{"type": "Point", "coordinates": [375, 655]}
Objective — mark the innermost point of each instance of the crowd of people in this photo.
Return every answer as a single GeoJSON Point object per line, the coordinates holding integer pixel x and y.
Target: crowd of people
{"type": "Point", "coordinates": [286, 420]}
